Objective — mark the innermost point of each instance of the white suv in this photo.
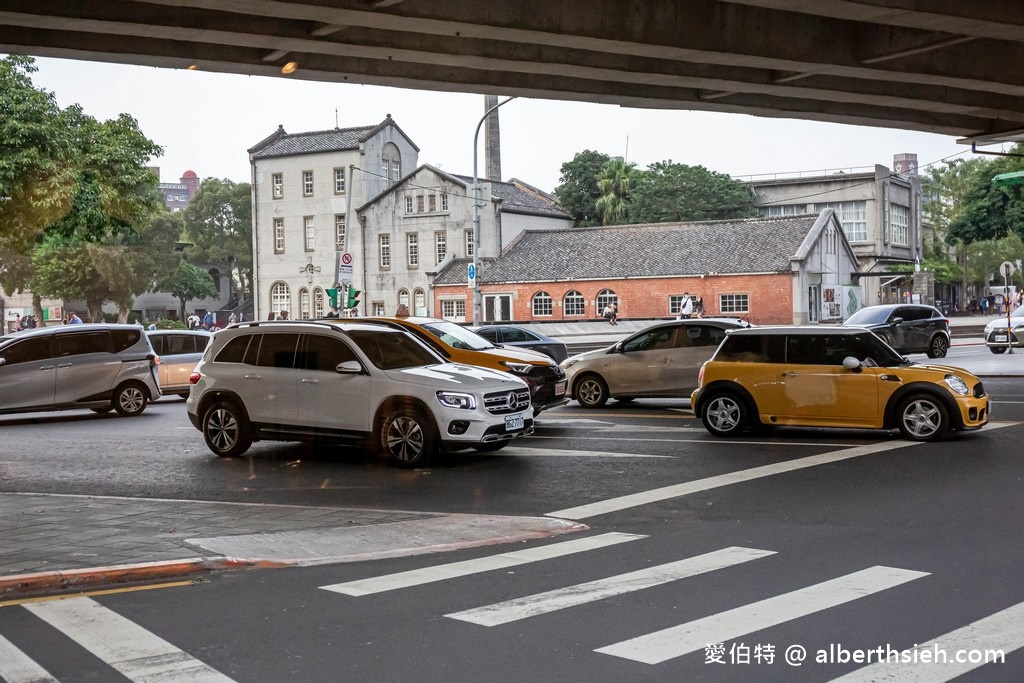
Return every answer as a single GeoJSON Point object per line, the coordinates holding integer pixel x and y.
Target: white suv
{"type": "Point", "coordinates": [349, 381]}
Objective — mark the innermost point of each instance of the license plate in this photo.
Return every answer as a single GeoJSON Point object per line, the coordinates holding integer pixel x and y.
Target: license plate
{"type": "Point", "coordinates": [560, 388]}
{"type": "Point", "coordinates": [513, 422]}
{"type": "Point", "coordinates": [999, 337]}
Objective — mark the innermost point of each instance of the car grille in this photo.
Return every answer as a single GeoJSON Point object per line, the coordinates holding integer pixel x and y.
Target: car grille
{"type": "Point", "coordinates": [979, 390]}
{"type": "Point", "coordinates": [503, 402]}
{"type": "Point", "coordinates": [542, 381]}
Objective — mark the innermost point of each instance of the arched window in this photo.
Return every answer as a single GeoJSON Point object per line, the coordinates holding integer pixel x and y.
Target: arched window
{"type": "Point", "coordinates": [542, 304]}
{"type": "Point", "coordinates": [420, 299]}
{"type": "Point", "coordinates": [403, 297]}
{"type": "Point", "coordinates": [574, 304]}
{"type": "Point", "coordinates": [304, 304]}
{"type": "Point", "coordinates": [280, 298]}
{"type": "Point", "coordinates": [391, 164]}
{"type": "Point", "coordinates": [606, 297]}
{"type": "Point", "coordinates": [318, 303]}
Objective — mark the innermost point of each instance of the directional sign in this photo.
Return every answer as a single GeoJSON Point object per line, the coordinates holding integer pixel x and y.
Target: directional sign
{"type": "Point", "coordinates": [471, 275]}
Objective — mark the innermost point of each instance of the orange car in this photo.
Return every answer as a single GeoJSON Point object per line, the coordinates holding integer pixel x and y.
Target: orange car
{"type": "Point", "coordinates": [459, 345]}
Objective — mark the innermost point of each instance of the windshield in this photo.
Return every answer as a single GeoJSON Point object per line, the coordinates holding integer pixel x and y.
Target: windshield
{"type": "Point", "coordinates": [392, 349]}
{"type": "Point", "coordinates": [457, 336]}
{"type": "Point", "coordinates": [869, 316]}
{"type": "Point", "coordinates": [871, 346]}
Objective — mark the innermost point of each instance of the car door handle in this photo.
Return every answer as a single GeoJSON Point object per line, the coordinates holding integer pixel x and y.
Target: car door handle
{"type": "Point", "coordinates": [310, 380]}
{"type": "Point", "coordinates": [254, 377]}
{"type": "Point", "coordinates": [47, 367]}
{"type": "Point", "coordinates": [789, 374]}
{"type": "Point", "coordinates": [64, 365]}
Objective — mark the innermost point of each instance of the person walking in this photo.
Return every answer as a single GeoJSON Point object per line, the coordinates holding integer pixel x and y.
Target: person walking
{"type": "Point", "coordinates": [686, 308]}
{"type": "Point", "coordinates": [232, 319]}
{"type": "Point", "coordinates": [73, 318]}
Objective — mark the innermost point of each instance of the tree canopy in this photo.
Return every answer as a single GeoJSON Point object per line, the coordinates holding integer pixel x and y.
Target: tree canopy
{"type": "Point", "coordinates": [577, 191]}
{"type": "Point", "coordinates": [668, 191]}
{"type": "Point", "coordinates": [990, 211]}
{"type": "Point", "coordinates": [218, 228]}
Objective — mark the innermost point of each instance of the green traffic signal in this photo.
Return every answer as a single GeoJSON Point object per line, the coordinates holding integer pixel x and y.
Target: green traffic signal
{"type": "Point", "coordinates": [353, 298]}
{"type": "Point", "coordinates": [332, 297]}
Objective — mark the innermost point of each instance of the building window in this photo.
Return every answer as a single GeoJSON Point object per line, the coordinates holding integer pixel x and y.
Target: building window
{"type": "Point", "coordinates": [675, 304]}
{"type": "Point", "coordinates": [782, 210]}
{"type": "Point", "coordinates": [304, 304]}
{"type": "Point", "coordinates": [318, 303]}
{"type": "Point", "coordinates": [419, 297]}
{"type": "Point", "coordinates": [384, 242]}
{"type": "Point", "coordinates": [470, 246]}
{"type": "Point", "coordinates": [403, 297]}
{"type": "Point", "coordinates": [408, 204]}
{"type": "Point", "coordinates": [278, 235]}
{"type": "Point", "coordinates": [573, 303]}
{"type": "Point", "coordinates": [453, 309]}
{"type": "Point", "coordinates": [378, 308]}
{"type": "Point", "coordinates": [853, 216]}
{"type": "Point", "coordinates": [440, 246]}
{"type": "Point", "coordinates": [307, 183]}
{"type": "Point", "coordinates": [385, 169]}
{"type": "Point", "coordinates": [432, 203]}
{"type": "Point", "coordinates": [419, 203]}
{"type": "Point", "coordinates": [308, 229]}
{"type": "Point", "coordinates": [396, 169]}
{"type": "Point", "coordinates": [733, 303]}
{"type": "Point", "coordinates": [606, 297]}
{"type": "Point", "coordinates": [277, 182]}
{"type": "Point", "coordinates": [412, 249]}
{"type": "Point", "coordinates": [280, 298]}
{"type": "Point", "coordinates": [339, 181]}
{"type": "Point", "coordinates": [444, 201]}
{"type": "Point", "coordinates": [899, 224]}
{"type": "Point", "coordinates": [339, 231]}
{"type": "Point", "coordinates": [542, 304]}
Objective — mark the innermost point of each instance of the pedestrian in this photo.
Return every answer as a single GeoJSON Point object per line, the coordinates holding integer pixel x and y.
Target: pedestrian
{"type": "Point", "coordinates": [686, 307]}
{"type": "Point", "coordinates": [402, 312]}
{"type": "Point", "coordinates": [232, 319]}
{"type": "Point", "coordinates": [283, 314]}
{"type": "Point", "coordinates": [73, 318]}
{"type": "Point", "coordinates": [17, 322]}
{"type": "Point", "coordinates": [984, 305]}
{"type": "Point", "coordinates": [611, 313]}
{"type": "Point", "coordinates": [333, 313]}
{"type": "Point", "coordinates": [208, 320]}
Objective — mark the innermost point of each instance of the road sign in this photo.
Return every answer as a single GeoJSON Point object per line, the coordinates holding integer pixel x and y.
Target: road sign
{"type": "Point", "coordinates": [343, 267]}
{"type": "Point", "coordinates": [1007, 269]}
{"type": "Point", "coordinates": [471, 275]}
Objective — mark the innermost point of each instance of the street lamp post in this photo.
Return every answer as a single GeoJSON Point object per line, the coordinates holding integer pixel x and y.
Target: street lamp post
{"type": "Point", "coordinates": [476, 216]}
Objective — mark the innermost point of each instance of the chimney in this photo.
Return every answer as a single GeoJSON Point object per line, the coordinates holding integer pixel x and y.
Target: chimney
{"type": "Point", "coordinates": [492, 141]}
{"type": "Point", "coordinates": [905, 164]}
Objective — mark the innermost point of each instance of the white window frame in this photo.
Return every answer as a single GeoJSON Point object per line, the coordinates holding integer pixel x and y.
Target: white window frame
{"type": "Point", "coordinates": [384, 249]}
{"type": "Point", "coordinates": [542, 305]}
{"type": "Point", "coordinates": [440, 246]}
{"type": "Point", "coordinates": [309, 232]}
{"type": "Point", "coordinates": [453, 309]}
{"type": "Point", "coordinates": [408, 203]}
{"type": "Point", "coordinates": [574, 304]}
{"type": "Point", "coordinates": [280, 297]}
{"type": "Point", "coordinates": [304, 304]}
{"type": "Point", "coordinates": [412, 249]}
{"type": "Point", "coordinates": [444, 201]}
{"type": "Point", "coordinates": [277, 183]}
{"type": "Point", "coordinates": [419, 298]}
{"type": "Point", "coordinates": [606, 297]}
{"type": "Point", "coordinates": [339, 180]}
{"type": "Point", "coordinates": [307, 183]}
{"type": "Point", "coordinates": [339, 231]}
{"type": "Point", "coordinates": [899, 225]}
{"type": "Point", "coordinates": [733, 303]}
{"type": "Point", "coordinates": [853, 216]}
{"type": "Point", "coordinates": [278, 235]}
{"type": "Point", "coordinates": [470, 244]}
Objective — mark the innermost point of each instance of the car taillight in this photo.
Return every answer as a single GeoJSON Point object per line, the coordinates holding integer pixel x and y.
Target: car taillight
{"type": "Point", "coordinates": [154, 360]}
{"type": "Point", "coordinates": [700, 375]}
{"type": "Point", "coordinates": [194, 378]}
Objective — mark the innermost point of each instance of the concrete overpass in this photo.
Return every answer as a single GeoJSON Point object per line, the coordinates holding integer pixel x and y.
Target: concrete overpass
{"type": "Point", "coordinates": [952, 67]}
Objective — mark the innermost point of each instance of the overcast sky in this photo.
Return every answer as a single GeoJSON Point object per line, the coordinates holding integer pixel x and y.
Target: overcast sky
{"type": "Point", "coordinates": [205, 122]}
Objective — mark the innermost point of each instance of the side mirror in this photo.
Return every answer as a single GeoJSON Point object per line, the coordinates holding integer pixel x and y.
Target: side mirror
{"type": "Point", "coordinates": [3, 362]}
{"type": "Point", "coordinates": [851, 363]}
{"type": "Point", "coordinates": [349, 367]}
{"type": "Point", "coordinates": [897, 320]}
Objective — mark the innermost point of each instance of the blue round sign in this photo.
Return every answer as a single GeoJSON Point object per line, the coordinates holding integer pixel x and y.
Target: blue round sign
{"type": "Point", "coordinates": [472, 271]}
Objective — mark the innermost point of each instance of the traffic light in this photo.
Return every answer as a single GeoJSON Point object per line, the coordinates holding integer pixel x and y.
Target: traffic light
{"type": "Point", "coordinates": [332, 297]}
{"type": "Point", "coordinates": [353, 298]}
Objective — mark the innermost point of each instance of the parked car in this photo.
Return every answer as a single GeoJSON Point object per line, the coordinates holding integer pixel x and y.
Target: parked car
{"type": "Point", "coordinates": [660, 361]}
{"type": "Point", "coordinates": [179, 351]}
{"type": "Point", "coordinates": [458, 344]}
{"type": "Point", "coordinates": [349, 381]}
{"type": "Point", "coordinates": [908, 328]}
{"type": "Point", "coordinates": [997, 339]}
{"type": "Point", "coordinates": [523, 338]}
{"type": "Point", "coordinates": [813, 376]}
{"type": "Point", "coordinates": [96, 366]}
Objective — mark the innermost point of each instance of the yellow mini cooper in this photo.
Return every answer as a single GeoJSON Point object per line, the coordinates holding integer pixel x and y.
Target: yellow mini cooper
{"type": "Point", "coordinates": [832, 377]}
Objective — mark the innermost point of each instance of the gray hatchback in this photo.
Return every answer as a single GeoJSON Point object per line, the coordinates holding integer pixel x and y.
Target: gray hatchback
{"type": "Point", "coordinates": [96, 366]}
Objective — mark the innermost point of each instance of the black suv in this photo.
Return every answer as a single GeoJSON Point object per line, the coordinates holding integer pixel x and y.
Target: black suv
{"type": "Point", "coordinates": [908, 328]}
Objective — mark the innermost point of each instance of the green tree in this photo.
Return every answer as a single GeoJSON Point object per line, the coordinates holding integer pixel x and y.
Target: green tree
{"type": "Point", "coordinates": [218, 224]}
{"type": "Point", "coordinates": [63, 268]}
{"type": "Point", "coordinates": [668, 192]}
{"type": "Point", "coordinates": [577, 191]}
{"type": "Point", "coordinates": [991, 211]}
{"type": "Point", "coordinates": [614, 182]}
{"type": "Point", "coordinates": [188, 282]}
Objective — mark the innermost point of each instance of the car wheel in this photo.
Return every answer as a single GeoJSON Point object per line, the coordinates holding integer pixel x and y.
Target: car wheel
{"type": "Point", "coordinates": [491, 446]}
{"type": "Point", "coordinates": [938, 347]}
{"type": "Point", "coordinates": [922, 418]}
{"type": "Point", "coordinates": [408, 438]}
{"type": "Point", "coordinates": [997, 349]}
{"type": "Point", "coordinates": [130, 399]}
{"type": "Point", "coordinates": [591, 392]}
{"type": "Point", "coordinates": [226, 429]}
{"type": "Point", "coordinates": [724, 414]}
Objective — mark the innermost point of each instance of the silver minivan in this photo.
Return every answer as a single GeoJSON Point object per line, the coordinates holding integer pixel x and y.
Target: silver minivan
{"type": "Point", "coordinates": [97, 366]}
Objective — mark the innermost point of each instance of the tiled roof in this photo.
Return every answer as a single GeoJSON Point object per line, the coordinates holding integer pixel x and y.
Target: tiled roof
{"type": "Point", "coordinates": [756, 245]}
{"type": "Point", "coordinates": [335, 140]}
{"type": "Point", "coordinates": [517, 199]}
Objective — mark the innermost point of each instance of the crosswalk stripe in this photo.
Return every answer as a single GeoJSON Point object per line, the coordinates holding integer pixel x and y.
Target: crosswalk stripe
{"type": "Point", "coordinates": [416, 577]}
{"type": "Point", "coordinates": [1002, 631]}
{"type": "Point", "coordinates": [550, 601]}
{"type": "Point", "coordinates": [136, 653]}
{"type": "Point", "coordinates": [17, 667]}
{"type": "Point", "coordinates": [677, 641]}
{"type": "Point", "coordinates": [677, 490]}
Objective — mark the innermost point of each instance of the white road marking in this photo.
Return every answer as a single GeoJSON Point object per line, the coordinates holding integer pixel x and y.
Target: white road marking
{"type": "Point", "coordinates": [1002, 631]}
{"type": "Point", "coordinates": [550, 601]}
{"type": "Point", "coordinates": [677, 490]}
{"type": "Point", "coordinates": [127, 647]}
{"type": "Point", "coordinates": [677, 641]}
{"type": "Point", "coordinates": [416, 577]}
{"type": "Point", "coordinates": [17, 667]}
{"type": "Point", "coordinates": [517, 451]}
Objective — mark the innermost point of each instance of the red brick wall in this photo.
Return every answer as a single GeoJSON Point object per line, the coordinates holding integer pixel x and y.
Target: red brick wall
{"type": "Point", "coordinates": [770, 297]}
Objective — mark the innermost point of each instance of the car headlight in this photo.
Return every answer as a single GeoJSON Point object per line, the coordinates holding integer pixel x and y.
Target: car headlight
{"type": "Point", "coordinates": [454, 399]}
{"type": "Point", "coordinates": [569, 362]}
{"type": "Point", "coordinates": [518, 368]}
{"type": "Point", "coordinates": [957, 385]}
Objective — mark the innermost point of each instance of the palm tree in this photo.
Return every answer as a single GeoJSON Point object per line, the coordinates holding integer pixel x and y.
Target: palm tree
{"type": "Point", "coordinates": [615, 182]}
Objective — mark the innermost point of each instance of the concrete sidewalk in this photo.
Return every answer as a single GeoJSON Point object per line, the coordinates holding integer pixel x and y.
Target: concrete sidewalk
{"type": "Point", "coordinates": [55, 543]}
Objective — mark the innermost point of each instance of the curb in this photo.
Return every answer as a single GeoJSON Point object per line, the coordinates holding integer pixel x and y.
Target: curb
{"type": "Point", "coordinates": [22, 585]}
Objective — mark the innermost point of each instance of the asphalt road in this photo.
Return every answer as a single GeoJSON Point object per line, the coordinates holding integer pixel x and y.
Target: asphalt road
{"type": "Point", "coordinates": [752, 543]}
